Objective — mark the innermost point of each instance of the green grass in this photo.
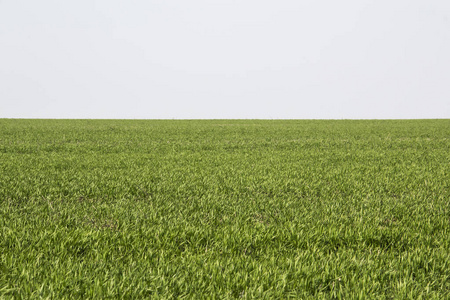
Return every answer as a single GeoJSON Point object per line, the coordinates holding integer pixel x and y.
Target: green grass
{"type": "Point", "coordinates": [224, 209]}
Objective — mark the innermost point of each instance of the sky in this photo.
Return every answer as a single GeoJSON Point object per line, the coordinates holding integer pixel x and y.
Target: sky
{"type": "Point", "coordinates": [225, 59]}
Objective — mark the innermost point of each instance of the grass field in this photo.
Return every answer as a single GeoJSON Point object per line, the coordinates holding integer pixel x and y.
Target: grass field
{"type": "Point", "coordinates": [225, 209]}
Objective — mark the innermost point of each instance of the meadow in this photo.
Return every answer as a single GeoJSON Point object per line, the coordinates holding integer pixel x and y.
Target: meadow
{"type": "Point", "coordinates": [225, 209]}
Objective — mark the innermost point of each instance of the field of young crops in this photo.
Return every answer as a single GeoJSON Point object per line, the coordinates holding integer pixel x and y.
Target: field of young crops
{"type": "Point", "coordinates": [224, 209]}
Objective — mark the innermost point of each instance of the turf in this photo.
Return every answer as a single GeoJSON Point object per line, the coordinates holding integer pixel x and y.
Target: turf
{"type": "Point", "coordinates": [225, 209]}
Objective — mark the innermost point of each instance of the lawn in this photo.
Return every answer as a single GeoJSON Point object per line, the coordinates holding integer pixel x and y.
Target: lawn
{"type": "Point", "coordinates": [224, 209]}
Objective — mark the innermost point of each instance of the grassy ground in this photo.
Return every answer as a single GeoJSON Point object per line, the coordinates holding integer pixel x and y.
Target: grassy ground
{"type": "Point", "coordinates": [225, 209]}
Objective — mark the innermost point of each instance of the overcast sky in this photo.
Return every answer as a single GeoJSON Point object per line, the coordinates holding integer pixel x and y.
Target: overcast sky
{"type": "Point", "coordinates": [225, 59]}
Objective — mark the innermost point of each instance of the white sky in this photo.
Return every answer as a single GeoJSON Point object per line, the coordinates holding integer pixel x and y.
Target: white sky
{"type": "Point", "coordinates": [225, 59]}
